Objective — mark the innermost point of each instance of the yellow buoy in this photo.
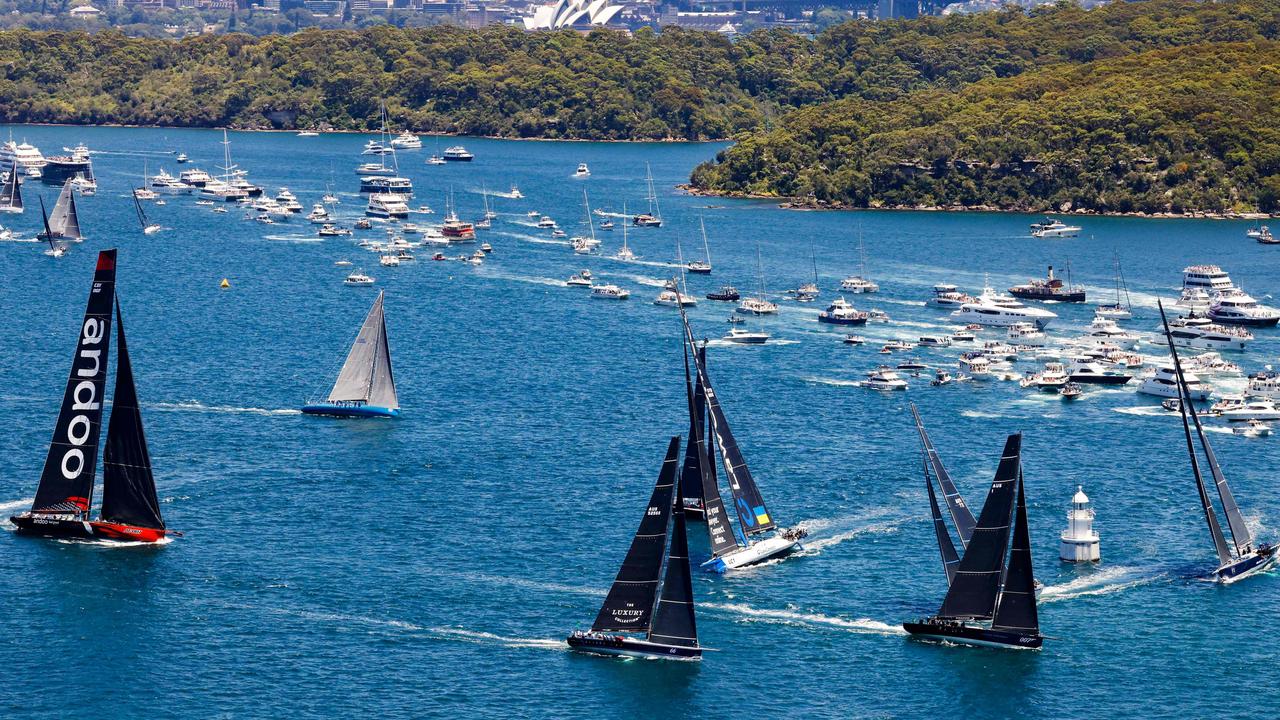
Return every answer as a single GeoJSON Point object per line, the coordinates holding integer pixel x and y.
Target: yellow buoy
{"type": "Point", "coordinates": [225, 284]}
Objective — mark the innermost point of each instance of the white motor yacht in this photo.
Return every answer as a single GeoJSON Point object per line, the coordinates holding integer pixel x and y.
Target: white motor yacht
{"type": "Point", "coordinates": [163, 182]}
{"type": "Point", "coordinates": [977, 365]}
{"type": "Point", "coordinates": [457, 153]}
{"type": "Point", "coordinates": [1209, 278]}
{"type": "Point", "coordinates": [746, 337]}
{"type": "Point", "coordinates": [387, 205]}
{"type": "Point", "coordinates": [389, 261]}
{"type": "Point", "coordinates": [842, 312]}
{"type": "Point", "coordinates": [934, 341]}
{"type": "Point", "coordinates": [884, 378]}
{"type": "Point", "coordinates": [1026, 334]}
{"type": "Point", "coordinates": [1195, 331]}
{"type": "Point", "coordinates": [1051, 228]}
{"type": "Point", "coordinates": [406, 141]}
{"type": "Point", "coordinates": [319, 215]}
{"type": "Point", "coordinates": [946, 295]}
{"type": "Point", "coordinates": [1265, 384]}
{"type": "Point", "coordinates": [1252, 428]}
{"type": "Point", "coordinates": [609, 292]}
{"type": "Point", "coordinates": [546, 222]}
{"type": "Point", "coordinates": [582, 171]}
{"type": "Point", "coordinates": [1001, 310]}
{"type": "Point", "coordinates": [220, 191]}
{"type": "Point", "coordinates": [194, 177]}
{"type": "Point", "coordinates": [582, 279]}
{"type": "Point", "coordinates": [24, 155]}
{"type": "Point", "coordinates": [1237, 408]}
{"type": "Point", "coordinates": [1193, 300]}
{"type": "Point", "coordinates": [1163, 383]}
{"type": "Point", "coordinates": [288, 201]}
{"type": "Point", "coordinates": [1236, 307]}
{"type": "Point", "coordinates": [331, 230]}
{"type": "Point", "coordinates": [1106, 329]}
{"type": "Point", "coordinates": [358, 278]}
{"type": "Point", "coordinates": [1211, 364]}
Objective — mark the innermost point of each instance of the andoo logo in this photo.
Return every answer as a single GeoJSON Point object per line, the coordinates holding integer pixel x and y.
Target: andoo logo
{"type": "Point", "coordinates": [84, 397]}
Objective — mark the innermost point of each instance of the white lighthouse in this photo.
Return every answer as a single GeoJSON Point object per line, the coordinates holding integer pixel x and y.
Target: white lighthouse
{"type": "Point", "coordinates": [1079, 541]}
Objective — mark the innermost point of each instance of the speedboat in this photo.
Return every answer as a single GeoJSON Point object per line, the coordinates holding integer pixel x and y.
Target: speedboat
{"type": "Point", "coordinates": [457, 153]}
{"type": "Point", "coordinates": [1070, 391]}
{"type": "Point", "coordinates": [558, 233]}
{"type": "Point", "coordinates": [757, 306]}
{"type": "Point", "coordinates": [582, 171]}
{"type": "Point", "coordinates": [331, 230]}
{"type": "Point", "coordinates": [610, 292]}
{"type": "Point", "coordinates": [1001, 310]}
{"type": "Point", "coordinates": [842, 312]}
{"type": "Point", "coordinates": [1237, 408]}
{"type": "Point", "coordinates": [672, 297]}
{"type": "Point", "coordinates": [884, 378]}
{"type": "Point", "coordinates": [1163, 383]}
{"type": "Point", "coordinates": [726, 293]}
{"type": "Point", "coordinates": [1107, 330]}
{"type": "Point", "coordinates": [1195, 331]}
{"type": "Point", "coordinates": [358, 278]}
{"type": "Point", "coordinates": [181, 158]}
{"type": "Point", "coordinates": [1253, 428]}
{"type": "Point", "coordinates": [584, 245]}
{"type": "Point", "coordinates": [318, 215]}
{"type": "Point", "coordinates": [852, 339]}
{"type": "Point", "coordinates": [941, 377]}
{"type": "Point", "coordinates": [607, 226]}
{"type": "Point", "coordinates": [546, 222]}
{"type": "Point", "coordinates": [946, 295]}
{"type": "Point", "coordinates": [486, 248]}
{"type": "Point", "coordinates": [582, 279]}
{"type": "Point", "coordinates": [308, 133]}
{"type": "Point", "coordinates": [1051, 228]}
{"type": "Point", "coordinates": [746, 337]}
{"type": "Point", "coordinates": [1236, 307]}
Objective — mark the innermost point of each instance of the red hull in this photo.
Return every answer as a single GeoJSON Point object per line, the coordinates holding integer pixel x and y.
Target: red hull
{"type": "Point", "coordinates": [116, 531]}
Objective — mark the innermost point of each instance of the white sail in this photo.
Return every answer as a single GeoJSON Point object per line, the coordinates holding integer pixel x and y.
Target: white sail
{"type": "Point", "coordinates": [366, 376]}
{"type": "Point", "coordinates": [63, 221]}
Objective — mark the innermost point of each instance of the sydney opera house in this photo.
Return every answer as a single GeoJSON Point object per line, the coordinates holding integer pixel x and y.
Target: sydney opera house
{"type": "Point", "coordinates": [572, 14]}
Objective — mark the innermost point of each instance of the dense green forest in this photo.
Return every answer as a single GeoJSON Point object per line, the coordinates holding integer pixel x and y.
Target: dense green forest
{"type": "Point", "coordinates": [1143, 105]}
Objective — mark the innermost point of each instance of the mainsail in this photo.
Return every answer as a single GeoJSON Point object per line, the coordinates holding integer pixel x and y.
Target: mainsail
{"type": "Point", "coordinates": [694, 451]}
{"type": "Point", "coordinates": [142, 215]}
{"type": "Point", "coordinates": [976, 586]}
{"type": "Point", "coordinates": [948, 549]}
{"type": "Point", "coordinates": [630, 602]}
{"type": "Point", "coordinates": [11, 195]}
{"type": "Point", "coordinates": [673, 618]}
{"type": "Point", "coordinates": [128, 488]}
{"type": "Point", "coordinates": [752, 512]}
{"type": "Point", "coordinates": [718, 528]}
{"type": "Point", "coordinates": [366, 376]}
{"type": "Point", "coordinates": [961, 517]}
{"type": "Point", "coordinates": [1016, 610]}
{"type": "Point", "coordinates": [66, 483]}
{"type": "Point", "coordinates": [63, 221]}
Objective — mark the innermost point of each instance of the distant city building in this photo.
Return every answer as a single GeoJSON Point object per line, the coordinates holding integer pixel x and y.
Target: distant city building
{"type": "Point", "coordinates": [899, 9]}
{"type": "Point", "coordinates": [325, 8]}
{"type": "Point", "coordinates": [571, 14]}
{"type": "Point", "coordinates": [85, 12]}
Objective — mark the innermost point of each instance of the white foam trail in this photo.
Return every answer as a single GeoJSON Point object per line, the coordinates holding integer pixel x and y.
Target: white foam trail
{"type": "Point", "coordinates": [791, 617]}
{"type": "Point", "coordinates": [1145, 411]}
{"type": "Point", "coordinates": [1099, 583]}
{"type": "Point", "coordinates": [16, 505]}
{"type": "Point", "coordinates": [113, 543]}
{"type": "Point", "coordinates": [912, 303]}
{"type": "Point", "coordinates": [838, 382]}
{"type": "Point", "coordinates": [535, 585]}
{"type": "Point", "coordinates": [476, 636]}
{"type": "Point", "coordinates": [815, 545]}
{"type": "Point", "coordinates": [197, 406]}
{"type": "Point", "coordinates": [980, 414]}
{"type": "Point", "coordinates": [527, 279]}
{"type": "Point", "coordinates": [23, 240]}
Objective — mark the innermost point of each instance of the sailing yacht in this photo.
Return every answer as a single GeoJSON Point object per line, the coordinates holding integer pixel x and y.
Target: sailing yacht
{"type": "Point", "coordinates": [758, 305]}
{"type": "Point", "coordinates": [366, 386]}
{"type": "Point", "coordinates": [63, 222]}
{"type": "Point", "coordinates": [11, 193]}
{"type": "Point", "coordinates": [625, 253]}
{"type": "Point", "coordinates": [148, 228]}
{"type": "Point", "coordinates": [698, 267]}
{"type": "Point", "coordinates": [653, 218]}
{"type": "Point", "coordinates": [584, 245]}
{"type": "Point", "coordinates": [130, 510]}
{"type": "Point", "coordinates": [990, 599]}
{"type": "Point", "coordinates": [859, 283]}
{"type": "Point", "coordinates": [756, 537]}
{"type": "Point", "coordinates": [961, 517]}
{"type": "Point", "coordinates": [1241, 558]}
{"type": "Point", "coordinates": [1118, 310]}
{"type": "Point", "coordinates": [651, 599]}
{"type": "Point", "coordinates": [56, 249]}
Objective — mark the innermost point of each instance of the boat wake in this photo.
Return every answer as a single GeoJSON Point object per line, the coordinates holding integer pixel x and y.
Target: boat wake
{"type": "Point", "coordinates": [22, 240]}
{"type": "Point", "coordinates": [527, 279]}
{"type": "Point", "coordinates": [911, 303]}
{"type": "Point", "coordinates": [112, 543]}
{"type": "Point", "coordinates": [294, 238]}
{"type": "Point", "coordinates": [819, 542]}
{"type": "Point", "coordinates": [533, 584]}
{"type": "Point", "coordinates": [978, 414]}
{"type": "Point", "coordinates": [1103, 582]}
{"type": "Point", "coordinates": [747, 613]}
{"type": "Point", "coordinates": [837, 382]}
{"type": "Point", "coordinates": [197, 406]}
{"type": "Point", "coordinates": [475, 636]}
{"type": "Point", "coordinates": [1146, 411]}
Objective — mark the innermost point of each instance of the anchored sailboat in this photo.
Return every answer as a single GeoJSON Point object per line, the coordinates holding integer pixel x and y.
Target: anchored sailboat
{"type": "Point", "coordinates": [961, 517]}
{"type": "Point", "coordinates": [1240, 559]}
{"type": "Point", "coordinates": [130, 509]}
{"type": "Point", "coordinates": [11, 194]}
{"type": "Point", "coordinates": [1118, 310]}
{"type": "Point", "coordinates": [991, 602]}
{"type": "Point", "coordinates": [655, 608]}
{"type": "Point", "coordinates": [64, 221]}
{"type": "Point", "coordinates": [625, 253]}
{"type": "Point", "coordinates": [366, 386]}
{"type": "Point", "coordinates": [702, 267]}
{"type": "Point", "coordinates": [147, 228]}
{"type": "Point", "coordinates": [653, 218]}
{"type": "Point", "coordinates": [756, 537]}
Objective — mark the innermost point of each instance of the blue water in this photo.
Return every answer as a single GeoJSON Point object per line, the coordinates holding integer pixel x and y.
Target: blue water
{"type": "Point", "coordinates": [430, 566]}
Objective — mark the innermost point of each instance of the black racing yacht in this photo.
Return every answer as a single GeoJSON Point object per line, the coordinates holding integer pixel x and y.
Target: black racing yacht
{"type": "Point", "coordinates": [991, 600]}
{"type": "Point", "coordinates": [649, 610]}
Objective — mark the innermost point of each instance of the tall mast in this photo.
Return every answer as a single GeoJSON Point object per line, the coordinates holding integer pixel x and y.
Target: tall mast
{"type": "Point", "coordinates": [586, 208]}
{"type": "Point", "coordinates": [706, 249]}
{"type": "Point", "coordinates": [624, 225]}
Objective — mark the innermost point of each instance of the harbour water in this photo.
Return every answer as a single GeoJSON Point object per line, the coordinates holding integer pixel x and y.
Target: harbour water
{"type": "Point", "coordinates": [431, 565]}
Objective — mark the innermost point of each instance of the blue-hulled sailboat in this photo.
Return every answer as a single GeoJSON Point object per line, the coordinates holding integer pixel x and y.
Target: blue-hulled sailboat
{"type": "Point", "coordinates": [366, 386]}
{"type": "Point", "coordinates": [991, 600]}
{"type": "Point", "coordinates": [649, 612]}
{"type": "Point", "coordinates": [1240, 559]}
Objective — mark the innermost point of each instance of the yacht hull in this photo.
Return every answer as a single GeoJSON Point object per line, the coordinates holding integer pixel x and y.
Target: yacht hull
{"type": "Point", "coordinates": [970, 635]}
{"type": "Point", "coordinates": [1245, 321]}
{"type": "Point", "coordinates": [61, 527]}
{"type": "Point", "coordinates": [1087, 379]}
{"type": "Point", "coordinates": [621, 646]}
{"type": "Point", "coordinates": [752, 554]}
{"type": "Point", "coordinates": [1258, 561]}
{"type": "Point", "coordinates": [842, 320]}
{"type": "Point", "coordinates": [349, 411]}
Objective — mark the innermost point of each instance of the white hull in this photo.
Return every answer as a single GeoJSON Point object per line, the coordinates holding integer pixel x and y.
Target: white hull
{"type": "Point", "coordinates": [754, 553]}
{"type": "Point", "coordinates": [1171, 391]}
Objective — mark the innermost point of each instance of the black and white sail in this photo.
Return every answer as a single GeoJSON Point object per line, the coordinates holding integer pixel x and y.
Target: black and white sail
{"type": "Point", "coordinates": [694, 451]}
{"type": "Point", "coordinates": [64, 222]}
{"type": "Point", "coordinates": [11, 194]}
{"type": "Point", "coordinates": [753, 514]}
{"type": "Point", "coordinates": [961, 517]}
{"type": "Point", "coordinates": [673, 618]}
{"type": "Point", "coordinates": [630, 603]}
{"type": "Point", "coordinates": [719, 531]}
{"type": "Point", "coordinates": [66, 483]}
{"type": "Point", "coordinates": [142, 215]}
{"type": "Point", "coordinates": [950, 559]}
{"type": "Point", "coordinates": [1016, 609]}
{"type": "Point", "coordinates": [366, 376]}
{"type": "Point", "coordinates": [128, 488]}
{"type": "Point", "coordinates": [976, 586]}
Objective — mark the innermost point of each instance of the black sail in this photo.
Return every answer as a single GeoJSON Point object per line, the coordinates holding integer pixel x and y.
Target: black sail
{"type": "Point", "coordinates": [950, 560]}
{"type": "Point", "coordinates": [976, 585]}
{"type": "Point", "coordinates": [752, 511]}
{"type": "Point", "coordinates": [128, 488]}
{"type": "Point", "coordinates": [66, 483]}
{"type": "Point", "coordinates": [629, 604]}
{"type": "Point", "coordinates": [961, 517]}
{"type": "Point", "coordinates": [1017, 608]}
{"type": "Point", "coordinates": [11, 196]}
{"type": "Point", "coordinates": [719, 531]}
{"type": "Point", "coordinates": [694, 450]}
{"type": "Point", "coordinates": [673, 618]}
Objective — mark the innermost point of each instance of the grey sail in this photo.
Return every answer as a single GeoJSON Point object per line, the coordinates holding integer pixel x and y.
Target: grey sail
{"type": "Point", "coordinates": [71, 226]}
{"type": "Point", "coordinates": [630, 602]}
{"type": "Point", "coordinates": [1184, 404]}
{"type": "Point", "coordinates": [61, 209]}
{"type": "Point", "coordinates": [1240, 533]}
{"type": "Point", "coordinates": [1017, 608]}
{"type": "Point", "coordinates": [11, 196]}
{"type": "Point", "coordinates": [950, 560]}
{"type": "Point", "coordinates": [366, 376]}
{"type": "Point", "coordinates": [976, 586]}
{"type": "Point", "coordinates": [718, 530]}
{"type": "Point", "coordinates": [961, 516]}
{"type": "Point", "coordinates": [673, 618]}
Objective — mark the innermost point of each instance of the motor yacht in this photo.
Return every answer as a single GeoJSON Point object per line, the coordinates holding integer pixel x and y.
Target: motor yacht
{"type": "Point", "coordinates": [672, 297]}
{"type": "Point", "coordinates": [934, 341]}
{"type": "Point", "coordinates": [1051, 228]}
{"type": "Point", "coordinates": [457, 153]}
{"type": "Point", "coordinates": [194, 177]}
{"type": "Point", "coordinates": [726, 293]}
{"type": "Point", "coordinates": [757, 306]}
{"type": "Point", "coordinates": [999, 350]}
{"type": "Point", "coordinates": [1084, 371]}
{"type": "Point", "coordinates": [946, 295]}
{"type": "Point", "coordinates": [1209, 278]}
{"type": "Point", "coordinates": [1070, 391]}
{"type": "Point", "coordinates": [963, 335]}
{"type": "Point", "coordinates": [884, 378]}
{"type": "Point", "coordinates": [373, 168]}
{"type": "Point", "coordinates": [387, 205]}
{"type": "Point", "coordinates": [1163, 383]}
{"type": "Point", "coordinates": [842, 312]}
{"type": "Point", "coordinates": [582, 171]}
{"type": "Point", "coordinates": [1211, 364]}
{"type": "Point", "coordinates": [163, 182]}
{"type": "Point", "coordinates": [1195, 331]}
{"type": "Point", "coordinates": [1001, 310]}
{"type": "Point", "coordinates": [1028, 334]}
{"type": "Point", "coordinates": [1237, 408]}
{"type": "Point", "coordinates": [307, 133]}
{"type": "Point", "coordinates": [406, 141]}
{"type": "Point", "coordinates": [331, 230]}
{"type": "Point", "coordinates": [1252, 428]}
{"type": "Point", "coordinates": [609, 292]}
{"type": "Point", "coordinates": [742, 336]}
{"type": "Point", "coordinates": [389, 261]}
{"type": "Point", "coordinates": [318, 215]}
{"type": "Point", "coordinates": [375, 147]}
{"type": "Point", "coordinates": [546, 222]}
{"type": "Point", "coordinates": [977, 365]}
{"type": "Point", "coordinates": [582, 279]}
{"type": "Point", "coordinates": [363, 224]}
{"type": "Point", "coordinates": [358, 278]}
{"type": "Point", "coordinates": [386, 184]}
{"type": "Point", "coordinates": [1236, 307]}
{"type": "Point", "coordinates": [1193, 300]}
{"type": "Point", "coordinates": [25, 156]}
{"type": "Point", "coordinates": [270, 207]}
{"type": "Point", "coordinates": [180, 158]}
{"type": "Point", "coordinates": [220, 191]}
{"type": "Point", "coordinates": [1106, 329]}
{"type": "Point", "coordinates": [1052, 377]}
{"type": "Point", "coordinates": [1265, 384]}
{"type": "Point", "coordinates": [852, 339]}
{"type": "Point", "coordinates": [288, 201]}
{"type": "Point", "coordinates": [330, 199]}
